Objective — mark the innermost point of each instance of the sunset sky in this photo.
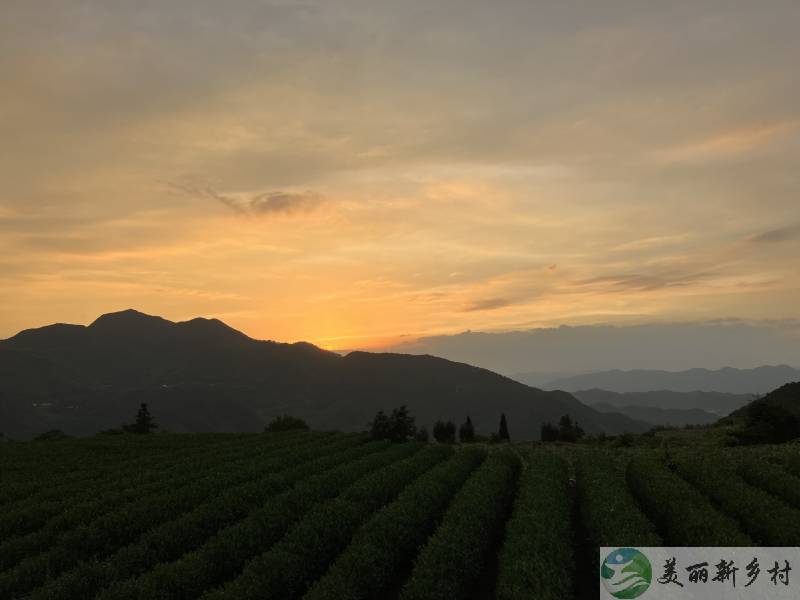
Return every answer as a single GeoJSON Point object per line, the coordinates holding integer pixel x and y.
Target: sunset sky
{"type": "Point", "coordinates": [354, 173]}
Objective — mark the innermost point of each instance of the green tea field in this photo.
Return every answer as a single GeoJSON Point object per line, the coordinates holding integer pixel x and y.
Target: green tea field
{"type": "Point", "coordinates": [330, 516]}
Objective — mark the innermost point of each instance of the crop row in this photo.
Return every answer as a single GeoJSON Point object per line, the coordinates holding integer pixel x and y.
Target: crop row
{"type": "Point", "coordinates": [13, 549]}
{"type": "Point", "coordinates": [105, 534]}
{"type": "Point", "coordinates": [536, 560]}
{"type": "Point", "coordinates": [455, 557]}
{"type": "Point", "coordinates": [768, 520]}
{"type": "Point", "coordinates": [770, 478]}
{"type": "Point", "coordinates": [683, 515]}
{"type": "Point", "coordinates": [383, 549]}
{"type": "Point", "coordinates": [304, 553]}
{"type": "Point", "coordinates": [172, 539]}
{"type": "Point", "coordinates": [32, 514]}
{"type": "Point", "coordinates": [67, 457]}
{"type": "Point", "coordinates": [609, 513]}
{"type": "Point", "coordinates": [39, 485]}
{"type": "Point", "coordinates": [225, 553]}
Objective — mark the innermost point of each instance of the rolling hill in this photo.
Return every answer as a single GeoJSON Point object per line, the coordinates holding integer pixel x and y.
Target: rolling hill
{"type": "Point", "coordinates": [202, 375]}
{"type": "Point", "coordinates": [728, 380]}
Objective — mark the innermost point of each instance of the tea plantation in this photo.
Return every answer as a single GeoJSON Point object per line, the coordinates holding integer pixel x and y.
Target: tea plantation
{"type": "Point", "coordinates": [330, 516]}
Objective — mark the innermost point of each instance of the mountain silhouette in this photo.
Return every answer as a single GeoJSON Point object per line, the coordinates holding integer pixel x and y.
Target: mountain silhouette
{"type": "Point", "coordinates": [202, 375]}
{"type": "Point", "coordinates": [729, 380]}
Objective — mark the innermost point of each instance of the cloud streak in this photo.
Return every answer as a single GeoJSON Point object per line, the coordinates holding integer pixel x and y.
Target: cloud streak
{"type": "Point", "coordinates": [264, 204]}
{"type": "Point", "coordinates": [780, 234]}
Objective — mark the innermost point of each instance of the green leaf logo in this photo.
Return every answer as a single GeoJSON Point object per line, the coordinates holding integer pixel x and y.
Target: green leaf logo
{"type": "Point", "coordinates": [626, 573]}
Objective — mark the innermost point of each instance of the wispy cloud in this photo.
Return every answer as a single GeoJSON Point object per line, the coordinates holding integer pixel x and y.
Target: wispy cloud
{"type": "Point", "coordinates": [488, 304]}
{"type": "Point", "coordinates": [727, 144]}
{"type": "Point", "coordinates": [780, 234]}
{"type": "Point", "coordinates": [262, 204]}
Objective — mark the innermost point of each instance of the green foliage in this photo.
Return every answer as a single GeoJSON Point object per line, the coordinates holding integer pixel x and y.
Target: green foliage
{"type": "Point", "coordinates": [100, 536]}
{"type": "Point", "coordinates": [145, 423]}
{"type": "Point", "coordinates": [608, 510]}
{"type": "Point", "coordinates": [769, 477]}
{"type": "Point", "coordinates": [444, 433]}
{"type": "Point", "coordinates": [304, 553]}
{"type": "Point", "coordinates": [536, 560]}
{"type": "Point", "coordinates": [79, 502]}
{"type": "Point", "coordinates": [124, 517]}
{"type": "Point", "coordinates": [455, 556]}
{"type": "Point", "coordinates": [422, 434]}
{"type": "Point", "coordinates": [567, 431]}
{"type": "Point", "coordinates": [769, 521]}
{"type": "Point", "coordinates": [502, 431]}
{"type": "Point", "coordinates": [285, 423]}
{"type": "Point", "coordinates": [466, 433]}
{"type": "Point", "coordinates": [768, 423]}
{"type": "Point", "coordinates": [53, 434]}
{"type": "Point", "coordinates": [397, 427]}
{"type": "Point", "coordinates": [683, 515]}
{"type": "Point", "coordinates": [226, 553]}
{"type": "Point", "coordinates": [174, 538]}
{"type": "Point", "coordinates": [370, 566]}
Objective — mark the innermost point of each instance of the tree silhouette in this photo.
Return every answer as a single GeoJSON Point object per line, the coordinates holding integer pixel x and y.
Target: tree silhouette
{"type": "Point", "coordinates": [286, 423]}
{"type": "Point", "coordinates": [144, 421]}
{"type": "Point", "coordinates": [398, 427]}
{"type": "Point", "coordinates": [444, 433]}
{"type": "Point", "coordinates": [502, 433]}
{"type": "Point", "coordinates": [466, 433]}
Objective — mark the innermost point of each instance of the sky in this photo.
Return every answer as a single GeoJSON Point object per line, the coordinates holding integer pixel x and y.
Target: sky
{"type": "Point", "coordinates": [361, 174]}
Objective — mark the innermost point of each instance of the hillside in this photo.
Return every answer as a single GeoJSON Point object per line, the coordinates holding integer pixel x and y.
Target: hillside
{"type": "Point", "coordinates": [714, 403]}
{"type": "Point", "coordinates": [728, 380]}
{"type": "Point", "coordinates": [787, 396]}
{"type": "Point", "coordinates": [670, 417]}
{"type": "Point", "coordinates": [202, 375]}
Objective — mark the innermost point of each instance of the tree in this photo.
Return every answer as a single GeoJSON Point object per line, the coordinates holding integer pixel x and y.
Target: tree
{"type": "Point", "coordinates": [379, 429]}
{"type": "Point", "coordinates": [549, 432]}
{"type": "Point", "coordinates": [444, 433]}
{"type": "Point", "coordinates": [768, 423]}
{"type": "Point", "coordinates": [52, 434]}
{"type": "Point", "coordinates": [402, 424]}
{"type": "Point", "coordinates": [466, 433]}
{"type": "Point", "coordinates": [502, 432]}
{"type": "Point", "coordinates": [567, 431]}
{"type": "Point", "coordinates": [144, 421]}
{"type": "Point", "coordinates": [398, 427]}
{"type": "Point", "coordinates": [286, 423]}
{"type": "Point", "coordinates": [422, 434]}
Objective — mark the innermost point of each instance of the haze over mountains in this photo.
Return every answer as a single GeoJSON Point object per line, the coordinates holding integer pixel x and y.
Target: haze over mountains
{"type": "Point", "coordinates": [547, 353]}
{"type": "Point", "coordinates": [728, 380]}
{"type": "Point", "coordinates": [202, 375]}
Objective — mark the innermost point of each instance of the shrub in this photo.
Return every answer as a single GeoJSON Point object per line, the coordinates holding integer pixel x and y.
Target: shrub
{"type": "Point", "coordinates": [371, 565]}
{"type": "Point", "coordinates": [536, 559]}
{"type": "Point", "coordinates": [769, 521]}
{"type": "Point", "coordinates": [684, 516]}
{"type": "Point", "coordinates": [455, 556]}
{"type": "Point", "coordinates": [286, 423]}
{"type": "Point", "coordinates": [444, 433]}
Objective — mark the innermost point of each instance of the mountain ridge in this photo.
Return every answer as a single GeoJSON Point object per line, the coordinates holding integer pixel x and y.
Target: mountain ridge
{"type": "Point", "coordinates": [758, 380]}
{"type": "Point", "coordinates": [202, 374]}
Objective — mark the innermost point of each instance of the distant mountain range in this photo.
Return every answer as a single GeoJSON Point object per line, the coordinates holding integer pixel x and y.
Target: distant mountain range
{"type": "Point", "coordinates": [202, 375]}
{"type": "Point", "coordinates": [715, 403]}
{"type": "Point", "coordinates": [760, 380]}
{"type": "Point", "coordinates": [669, 417]}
